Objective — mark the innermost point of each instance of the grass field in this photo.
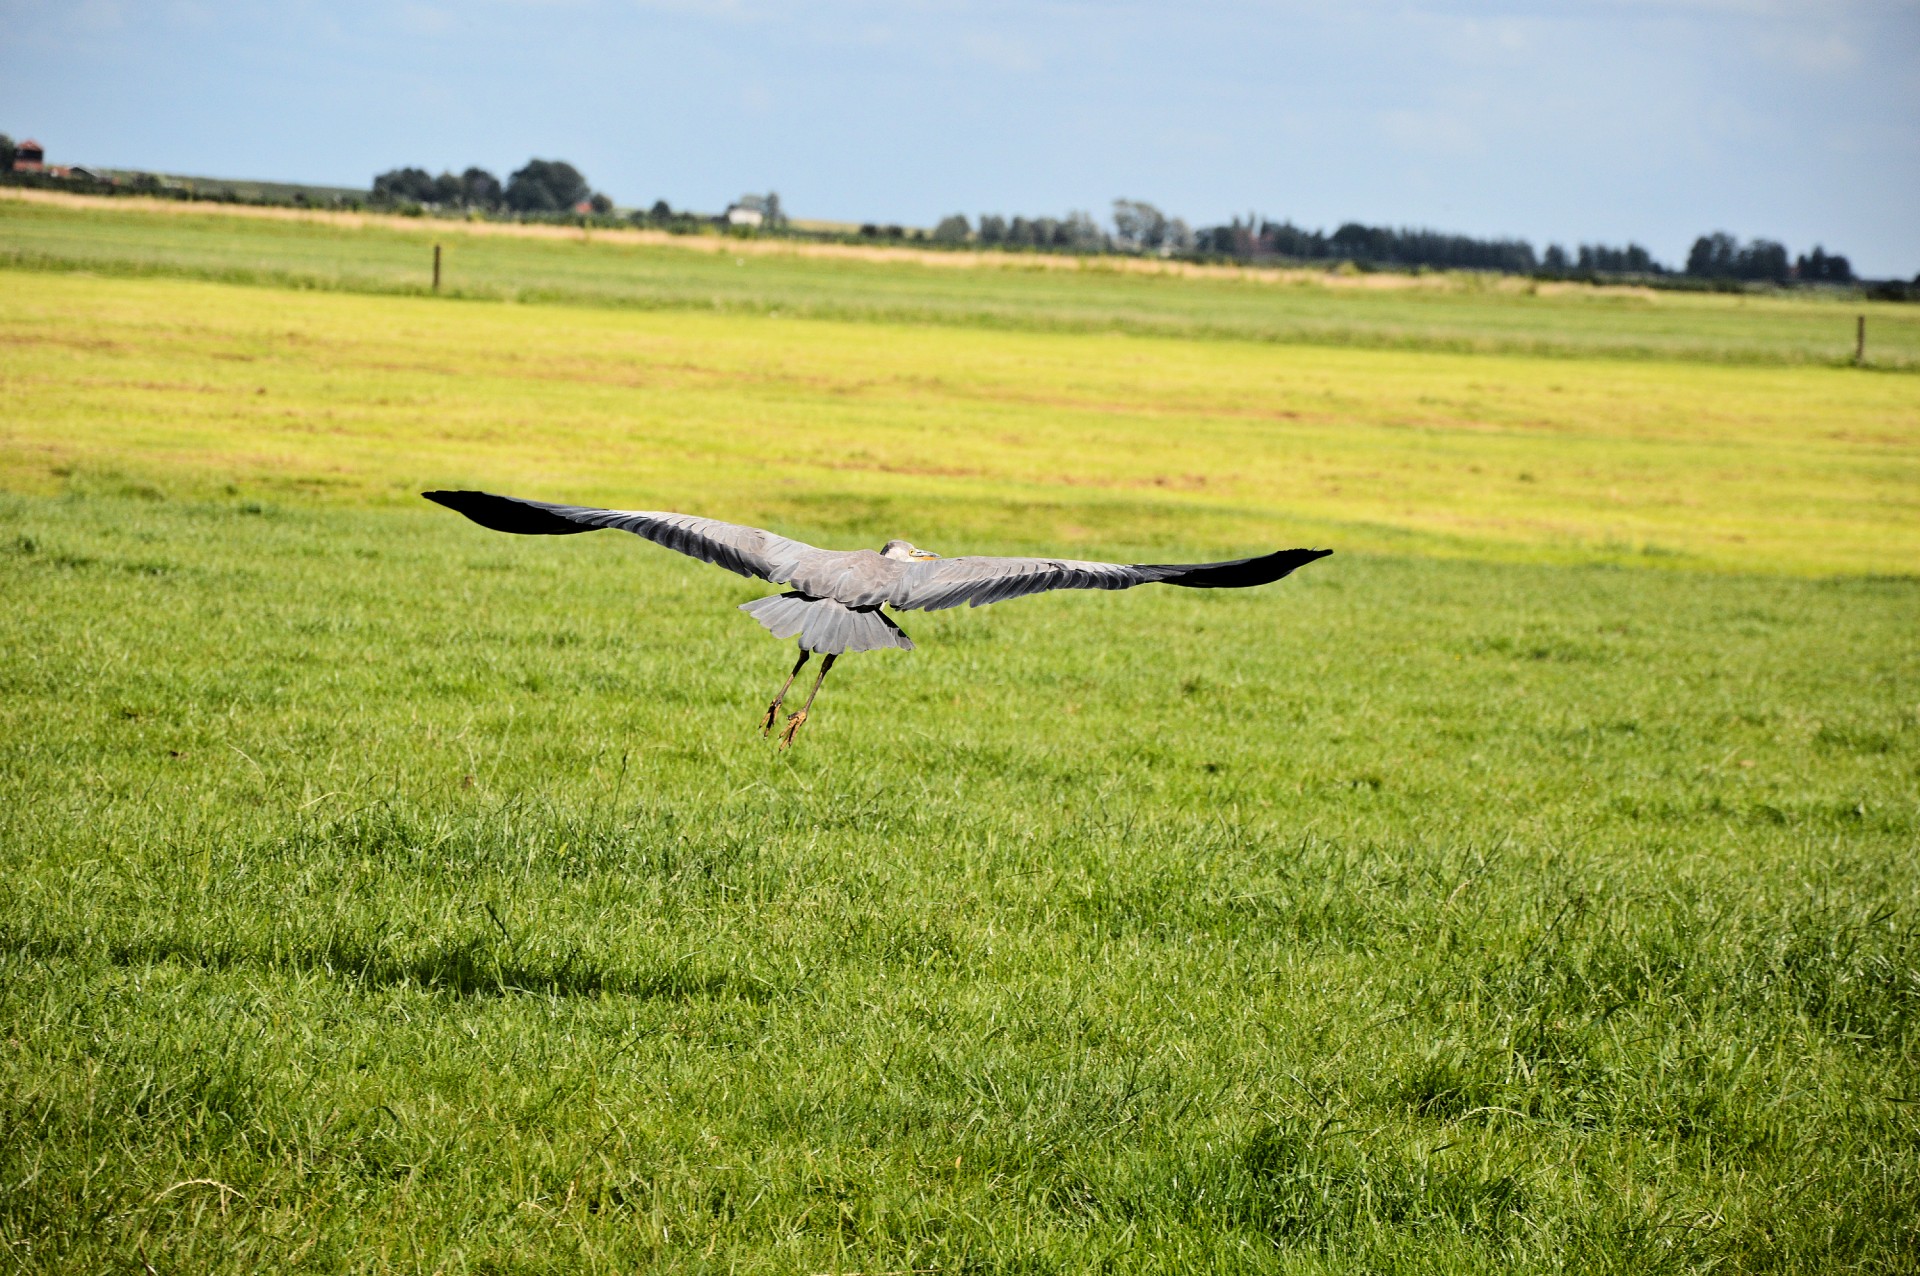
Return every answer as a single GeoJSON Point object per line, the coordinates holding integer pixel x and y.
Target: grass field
{"type": "Point", "coordinates": [1101, 442]}
{"type": "Point", "coordinates": [1467, 312]}
{"type": "Point", "coordinates": [1531, 886]}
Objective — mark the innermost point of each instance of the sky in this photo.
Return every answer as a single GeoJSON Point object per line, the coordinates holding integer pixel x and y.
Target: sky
{"type": "Point", "coordinates": [1651, 121]}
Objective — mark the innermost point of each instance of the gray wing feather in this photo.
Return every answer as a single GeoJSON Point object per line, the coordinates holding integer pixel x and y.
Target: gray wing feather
{"type": "Point", "coordinates": [749, 551]}
{"type": "Point", "coordinates": [784, 615]}
{"type": "Point", "coordinates": [948, 582]}
{"type": "Point", "coordinates": [826, 630]}
{"type": "Point", "coordinates": [862, 578]}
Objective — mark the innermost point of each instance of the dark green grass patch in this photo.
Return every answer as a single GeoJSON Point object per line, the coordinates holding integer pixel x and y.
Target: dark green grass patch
{"type": "Point", "coordinates": [380, 894]}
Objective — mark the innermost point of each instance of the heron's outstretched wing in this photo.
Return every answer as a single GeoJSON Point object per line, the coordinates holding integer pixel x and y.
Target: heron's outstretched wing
{"type": "Point", "coordinates": [948, 582]}
{"type": "Point", "coordinates": [746, 550]}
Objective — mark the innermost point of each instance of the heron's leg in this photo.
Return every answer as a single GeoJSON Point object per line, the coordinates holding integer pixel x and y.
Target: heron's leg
{"type": "Point", "coordinates": [793, 722]}
{"type": "Point", "coordinates": [773, 710]}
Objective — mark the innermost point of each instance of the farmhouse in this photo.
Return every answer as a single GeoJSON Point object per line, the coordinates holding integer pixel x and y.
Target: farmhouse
{"type": "Point", "coordinates": [741, 215]}
{"type": "Point", "coordinates": [29, 157]}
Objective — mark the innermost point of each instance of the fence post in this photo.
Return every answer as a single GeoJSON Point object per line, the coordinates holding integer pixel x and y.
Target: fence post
{"type": "Point", "coordinates": [1860, 339]}
{"type": "Point", "coordinates": [436, 268]}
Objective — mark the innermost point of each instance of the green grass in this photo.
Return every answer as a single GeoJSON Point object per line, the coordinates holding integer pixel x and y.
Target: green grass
{"type": "Point", "coordinates": [1464, 313]}
{"type": "Point", "coordinates": [1531, 886]}
{"type": "Point", "coordinates": [432, 892]}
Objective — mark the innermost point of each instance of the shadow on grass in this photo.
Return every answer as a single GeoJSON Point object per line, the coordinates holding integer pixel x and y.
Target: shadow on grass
{"type": "Point", "coordinates": [468, 967]}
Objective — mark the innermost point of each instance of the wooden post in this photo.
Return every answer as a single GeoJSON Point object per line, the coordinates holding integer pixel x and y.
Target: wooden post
{"type": "Point", "coordinates": [436, 268]}
{"type": "Point", "coordinates": [1860, 339]}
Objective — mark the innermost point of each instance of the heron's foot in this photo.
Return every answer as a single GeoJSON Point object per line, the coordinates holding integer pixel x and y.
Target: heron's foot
{"type": "Point", "coordinates": [773, 716]}
{"type": "Point", "coordinates": [793, 727]}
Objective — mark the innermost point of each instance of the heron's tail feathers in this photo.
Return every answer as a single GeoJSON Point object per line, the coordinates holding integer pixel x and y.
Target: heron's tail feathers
{"type": "Point", "coordinates": [826, 626]}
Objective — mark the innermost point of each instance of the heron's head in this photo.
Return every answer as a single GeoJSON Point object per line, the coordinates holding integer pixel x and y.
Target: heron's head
{"type": "Point", "coordinates": [904, 552]}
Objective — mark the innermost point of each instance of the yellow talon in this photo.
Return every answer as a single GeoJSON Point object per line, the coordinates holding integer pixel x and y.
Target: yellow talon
{"type": "Point", "coordinates": [793, 728]}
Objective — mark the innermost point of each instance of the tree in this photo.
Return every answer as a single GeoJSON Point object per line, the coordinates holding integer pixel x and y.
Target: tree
{"type": "Point", "coordinates": [993, 228]}
{"type": "Point", "coordinates": [952, 230]}
{"type": "Point", "coordinates": [404, 185]}
{"type": "Point", "coordinates": [1764, 259]}
{"type": "Point", "coordinates": [1078, 233]}
{"type": "Point", "coordinates": [601, 204]}
{"type": "Point", "coordinates": [1712, 256]}
{"type": "Point", "coordinates": [1556, 259]}
{"type": "Point", "coordinates": [1284, 240]}
{"type": "Point", "coordinates": [1821, 267]}
{"type": "Point", "coordinates": [479, 189]}
{"type": "Point", "coordinates": [7, 151]}
{"type": "Point", "coordinates": [1631, 260]}
{"type": "Point", "coordinates": [1721, 256]}
{"type": "Point", "coordinates": [546, 186]}
{"type": "Point", "coordinates": [1139, 226]}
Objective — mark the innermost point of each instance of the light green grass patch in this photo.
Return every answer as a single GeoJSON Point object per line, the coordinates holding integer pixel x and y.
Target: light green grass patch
{"type": "Point", "coordinates": [1096, 443]}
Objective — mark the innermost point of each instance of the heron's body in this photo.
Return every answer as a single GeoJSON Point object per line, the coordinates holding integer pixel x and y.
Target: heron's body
{"type": "Point", "coordinates": [834, 602]}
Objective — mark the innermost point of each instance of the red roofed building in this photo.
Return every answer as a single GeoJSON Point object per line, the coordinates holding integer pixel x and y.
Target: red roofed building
{"type": "Point", "coordinates": [28, 157]}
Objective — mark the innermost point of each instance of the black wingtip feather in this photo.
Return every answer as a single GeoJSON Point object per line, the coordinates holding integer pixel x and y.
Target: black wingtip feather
{"type": "Point", "coordinates": [1244, 573]}
{"type": "Point", "coordinates": [507, 514]}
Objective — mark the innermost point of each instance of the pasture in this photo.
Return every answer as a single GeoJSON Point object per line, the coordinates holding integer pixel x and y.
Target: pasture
{"type": "Point", "coordinates": [1530, 886]}
{"type": "Point", "coordinates": [1445, 312]}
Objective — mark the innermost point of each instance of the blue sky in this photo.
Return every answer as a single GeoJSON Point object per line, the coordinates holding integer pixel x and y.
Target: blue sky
{"type": "Point", "coordinates": [1652, 120]}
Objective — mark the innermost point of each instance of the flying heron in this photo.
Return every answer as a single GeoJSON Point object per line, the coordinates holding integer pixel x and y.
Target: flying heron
{"type": "Point", "coordinates": [834, 604]}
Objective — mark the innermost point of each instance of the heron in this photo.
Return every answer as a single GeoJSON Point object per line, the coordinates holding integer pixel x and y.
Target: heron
{"type": "Point", "coordinates": [835, 602]}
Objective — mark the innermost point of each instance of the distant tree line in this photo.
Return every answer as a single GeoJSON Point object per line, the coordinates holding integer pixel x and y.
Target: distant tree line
{"type": "Point", "coordinates": [1721, 256]}
{"type": "Point", "coordinates": [1141, 228]}
{"type": "Point", "coordinates": [543, 186]}
{"type": "Point", "coordinates": [1373, 246]}
{"type": "Point", "coordinates": [1631, 260]}
{"type": "Point", "coordinates": [1077, 232]}
{"type": "Point", "coordinates": [1592, 260]}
